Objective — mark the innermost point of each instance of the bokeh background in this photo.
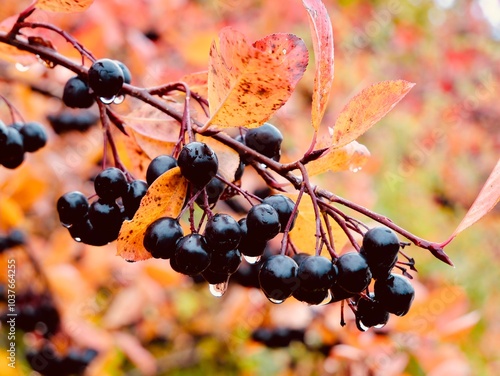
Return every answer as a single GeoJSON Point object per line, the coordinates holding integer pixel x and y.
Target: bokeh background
{"type": "Point", "coordinates": [430, 158]}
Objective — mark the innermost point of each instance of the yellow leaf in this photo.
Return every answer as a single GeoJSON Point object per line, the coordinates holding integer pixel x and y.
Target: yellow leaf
{"type": "Point", "coordinates": [164, 198]}
{"type": "Point", "coordinates": [248, 83]}
{"type": "Point", "coordinates": [322, 36]}
{"type": "Point", "coordinates": [229, 159]}
{"type": "Point", "coordinates": [197, 82]}
{"type": "Point", "coordinates": [303, 234]}
{"type": "Point", "coordinates": [367, 108]}
{"type": "Point", "coordinates": [352, 157]}
{"type": "Point", "coordinates": [64, 6]}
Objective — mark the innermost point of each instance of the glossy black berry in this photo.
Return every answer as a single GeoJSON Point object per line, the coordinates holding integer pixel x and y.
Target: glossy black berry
{"type": "Point", "coordinates": [105, 214]}
{"type": "Point", "coordinates": [317, 273]}
{"type": "Point", "coordinates": [338, 293]}
{"type": "Point", "coordinates": [214, 190]}
{"type": "Point", "coordinates": [198, 163]}
{"type": "Point", "coordinates": [192, 254]}
{"type": "Point", "coordinates": [132, 198]}
{"type": "Point", "coordinates": [279, 337]}
{"type": "Point", "coordinates": [158, 166]}
{"type": "Point", "coordinates": [12, 152]}
{"type": "Point", "coordinates": [266, 140]}
{"type": "Point", "coordinates": [250, 245]}
{"type": "Point", "coordinates": [105, 78]}
{"type": "Point", "coordinates": [370, 313]}
{"type": "Point", "coordinates": [354, 274]}
{"type": "Point", "coordinates": [263, 222]}
{"type": "Point", "coordinates": [160, 237]}
{"type": "Point", "coordinates": [214, 278]}
{"type": "Point", "coordinates": [395, 294]}
{"type": "Point", "coordinates": [380, 248]}
{"type": "Point", "coordinates": [284, 207]}
{"type": "Point", "coordinates": [278, 277]}
{"type": "Point", "coordinates": [127, 76]}
{"type": "Point", "coordinates": [222, 232]}
{"type": "Point", "coordinates": [76, 93]}
{"type": "Point", "coordinates": [34, 136]}
{"type": "Point", "coordinates": [67, 121]}
{"type": "Point", "coordinates": [225, 262]}
{"type": "Point", "coordinates": [3, 134]}
{"type": "Point", "coordinates": [72, 207]}
{"type": "Point", "coordinates": [310, 297]}
{"type": "Point", "coordinates": [110, 184]}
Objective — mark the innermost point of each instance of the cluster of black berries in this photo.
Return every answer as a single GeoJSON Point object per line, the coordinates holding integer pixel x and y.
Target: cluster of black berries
{"type": "Point", "coordinates": [12, 239]}
{"type": "Point", "coordinates": [67, 121]}
{"type": "Point", "coordinates": [105, 80]}
{"type": "Point", "coordinates": [317, 279]}
{"type": "Point", "coordinates": [99, 223]}
{"type": "Point", "coordinates": [18, 139]}
{"type": "Point", "coordinates": [48, 362]}
{"type": "Point", "coordinates": [278, 337]}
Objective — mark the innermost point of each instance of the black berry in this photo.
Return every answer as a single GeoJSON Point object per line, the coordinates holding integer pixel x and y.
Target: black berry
{"type": "Point", "coordinates": [192, 254]}
{"type": "Point", "coordinates": [370, 313]}
{"type": "Point", "coordinates": [127, 76]}
{"type": "Point", "coordinates": [354, 274]}
{"type": "Point", "coordinates": [225, 262]}
{"type": "Point", "coordinates": [67, 121]}
{"type": "Point", "coordinates": [250, 246]}
{"type": "Point", "coordinates": [105, 214]}
{"type": "Point", "coordinates": [12, 152]}
{"type": "Point", "coordinates": [284, 207]}
{"type": "Point", "coordinates": [110, 184]}
{"type": "Point", "coordinates": [380, 248]}
{"type": "Point", "coordinates": [263, 222]}
{"type": "Point", "coordinates": [222, 232]}
{"type": "Point", "coordinates": [317, 273]}
{"type": "Point", "coordinates": [158, 166]}
{"type": "Point", "coordinates": [132, 198]}
{"type": "Point", "coordinates": [310, 297]}
{"type": "Point", "coordinates": [76, 93]}
{"type": "Point", "coordinates": [278, 277]}
{"type": "Point", "coordinates": [214, 190]}
{"type": "Point", "coordinates": [34, 136]}
{"type": "Point", "coordinates": [198, 163]}
{"type": "Point", "coordinates": [72, 207]}
{"type": "Point", "coordinates": [105, 78]}
{"type": "Point", "coordinates": [395, 294]}
{"type": "Point", "coordinates": [160, 237]}
{"type": "Point", "coordinates": [266, 140]}
{"type": "Point", "coordinates": [3, 134]}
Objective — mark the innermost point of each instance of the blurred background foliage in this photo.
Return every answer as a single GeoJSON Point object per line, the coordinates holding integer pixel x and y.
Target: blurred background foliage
{"type": "Point", "coordinates": [430, 157]}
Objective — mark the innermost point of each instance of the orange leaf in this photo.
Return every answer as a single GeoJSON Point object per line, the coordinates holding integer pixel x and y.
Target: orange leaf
{"type": "Point", "coordinates": [165, 197]}
{"type": "Point", "coordinates": [228, 158]}
{"type": "Point", "coordinates": [247, 84]}
{"type": "Point", "coordinates": [352, 157]}
{"type": "Point", "coordinates": [197, 82]}
{"type": "Point", "coordinates": [485, 201]}
{"type": "Point", "coordinates": [64, 6]}
{"type": "Point", "coordinates": [366, 108]}
{"type": "Point", "coordinates": [322, 34]}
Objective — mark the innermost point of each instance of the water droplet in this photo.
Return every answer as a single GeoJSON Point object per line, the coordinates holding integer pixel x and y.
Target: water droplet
{"type": "Point", "coordinates": [354, 168]}
{"type": "Point", "coordinates": [379, 326]}
{"type": "Point", "coordinates": [22, 68]}
{"type": "Point", "coordinates": [66, 225]}
{"type": "Point", "coordinates": [328, 299]}
{"type": "Point", "coordinates": [107, 100]}
{"type": "Point", "coordinates": [361, 326]}
{"type": "Point", "coordinates": [77, 239]}
{"type": "Point", "coordinates": [218, 289]}
{"type": "Point", "coordinates": [119, 99]}
{"type": "Point", "coordinates": [47, 63]}
{"type": "Point", "coordinates": [276, 301]}
{"type": "Point", "coordinates": [284, 51]}
{"type": "Point", "coordinates": [252, 260]}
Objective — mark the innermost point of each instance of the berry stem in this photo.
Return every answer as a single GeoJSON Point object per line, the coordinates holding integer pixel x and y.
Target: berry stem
{"type": "Point", "coordinates": [247, 195]}
{"type": "Point", "coordinates": [13, 110]}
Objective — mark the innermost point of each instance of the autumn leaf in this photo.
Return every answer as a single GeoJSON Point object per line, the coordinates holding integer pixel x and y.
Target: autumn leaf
{"type": "Point", "coordinates": [247, 84]}
{"type": "Point", "coordinates": [229, 159]}
{"type": "Point", "coordinates": [197, 82]}
{"type": "Point", "coordinates": [485, 201]}
{"type": "Point", "coordinates": [367, 108]}
{"type": "Point", "coordinates": [322, 37]}
{"type": "Point", "coordinates": [164, 197]}
{"type": "Point", "coordinates": [352, 157]}
{"type": "Point", "coordinates": [64, 6]}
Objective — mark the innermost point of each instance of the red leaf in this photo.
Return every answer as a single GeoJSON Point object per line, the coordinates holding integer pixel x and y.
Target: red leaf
{"type": "Point", "coordinates": [322, 34]}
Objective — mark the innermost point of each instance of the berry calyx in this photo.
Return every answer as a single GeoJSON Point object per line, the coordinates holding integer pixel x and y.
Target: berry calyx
{"type": "Point", "coordinates": [395, 294]}
{"type": "Point", "coordinates": [380, 248]}
{"type": "Point", "coordinates": [192, 254]}
{"type": "Point", "coordinates": [278, 277]}
{"type": "Point", "coordinates": [105, 78]}
{"type": "Point", "coordinates": [161, 236]}
{"type": "Point", "coordinates": [222, 232]}
{"type": "Point", "coordinates": [158, 166]}
{"type": "Point", "coordinates": [354, 274]}
{"type": "Point", "coordinates": [266, 140]}
{"type": "Point", "coordinates": [262, 222]}
{"type": "Point", "coordinates": [77, 94]}
{"type": "Point", "coordinates": [110, 184]}
{"type": "Point", "coordinates": [198, 163]}
{"type": "Point", "coordinates": [34, 136]}
{"type": "Point", "coordinates": [72, 207]}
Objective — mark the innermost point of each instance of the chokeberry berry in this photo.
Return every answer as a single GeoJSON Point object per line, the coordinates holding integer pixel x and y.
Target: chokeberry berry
{"type": "Point", "coordinates": [222, 232]}
{"type": "Point", "coordinates": [105, 214]}
{"type": "Point", "coordinates": [192, 254]}
{"type": "Point", "coordinates": [76, 93]}
{"type": "Point", "coordinates": [158, 166]}
{"type": "Point", "coordinates": [3, 134]}
{"type": "Point", "coordinates": [266, 140]}
{"type": "Point", "coordinates": [12, 152]}
{"type": "Point", "coordinates": [395, 294]}
{"type": "Point", "coordinates": [284, 207]}
{"type": "Point", "coordinates": [72, 207]}
{"type": "Point", "coordinates": [310, 297]}
{"type": "Point", "coordinates": [278, 277]}
{"type": "Point", "coordinates": [132, 198]}
{"type": "Point", "coordinates": [263, 222]}
{"type": "Point", "coordinates": [67, 121]}
{"type": "Point", "coordinates": [105, 78]}
{"type": "Point", "coordinates": [226, 262]}
{"type": "Point", "coordinates": [354, 274]}
{"type": "Point", "coordinates": [317, 273]}
{"type": "Point", "coordinates": [380, 248]}
{"type": "Point", "coordinates": [338, 293]}
{"type": "Point", "coordinates": [370, 313]}
{"type": "Point", "coordinates": [214, 190]}
{"type": "Point", "coordinates": [34, 136]}
{"type": "Point", "coordinates": [160, 237]}
{"type": "Point", "coordinates": [198, 163]}
{"type": "Point", "coordinates": [214, 278]}
{"type": "Point", "coordinates": [127, 76]}
{"type": "Point", "coordinates": [249, 245]}
{"type": "Point", "coordinates": [110, 184]}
